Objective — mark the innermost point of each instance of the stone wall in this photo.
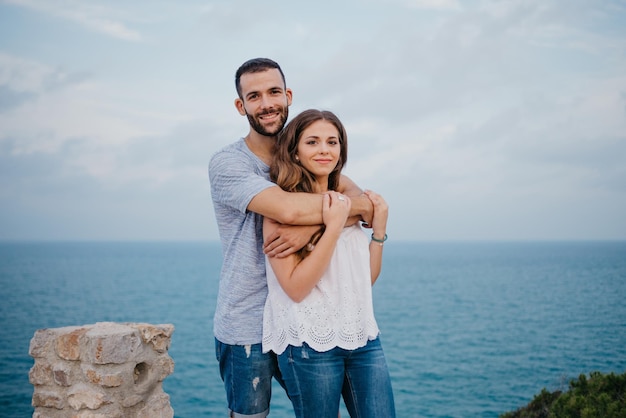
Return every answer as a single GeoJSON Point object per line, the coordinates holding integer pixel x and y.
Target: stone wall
{"type": "Point", "coordinates": [104, 370]}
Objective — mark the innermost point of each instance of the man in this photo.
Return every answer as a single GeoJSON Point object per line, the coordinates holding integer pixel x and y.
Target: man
{"type": "Point", "coordinates": [242, 195]}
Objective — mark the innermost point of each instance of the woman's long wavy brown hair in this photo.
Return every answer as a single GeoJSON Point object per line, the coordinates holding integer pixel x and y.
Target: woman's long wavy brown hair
{"type": "Point", "coordinates": [289, 174]}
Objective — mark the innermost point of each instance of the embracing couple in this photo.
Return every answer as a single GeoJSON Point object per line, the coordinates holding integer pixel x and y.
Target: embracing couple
{"type": "Point", "coordinates": [295, 290]}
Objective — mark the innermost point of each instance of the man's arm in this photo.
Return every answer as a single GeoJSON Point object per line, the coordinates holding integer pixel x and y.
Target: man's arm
{"type": "Point", "coordinates": [306, 208]}
{"type": "Point", "coordinates": [348, 187]}
{"type": "Point", "coordinates": [288, 208]}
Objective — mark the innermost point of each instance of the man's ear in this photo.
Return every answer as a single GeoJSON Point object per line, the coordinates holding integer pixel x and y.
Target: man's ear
{"type": "Point", "coordinates": [240, 107]}
{"type": "Point", "coordinates": [289, 95]}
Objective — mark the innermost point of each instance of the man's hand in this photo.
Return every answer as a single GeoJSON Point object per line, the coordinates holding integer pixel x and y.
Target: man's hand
{"type": "Point", "coordinates": [364, 207]}
{"type": "Point", "coordinates": [287, 239]}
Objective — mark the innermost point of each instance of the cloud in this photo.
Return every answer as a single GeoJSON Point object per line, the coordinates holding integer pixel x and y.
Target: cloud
{"type": "Point", "coordinates": [23, 81]}
{"type": "Point", "coordinates": [154, 187]}
{"type": "Point", "coordinates": [93, 16]}
{"type": "Point", "coordinates": [10, 98]}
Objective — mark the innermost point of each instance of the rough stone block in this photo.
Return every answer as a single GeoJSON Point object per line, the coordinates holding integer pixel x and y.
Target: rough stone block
{"type": "Point", "coordinates": [109, 342]}
{"type": "Point", "coordinates": [48, 399]}
{"type": "Point", "coordinates": [83, 396]}
{"type": "Point", "coordinates": [40, 343]}
{"type": "Point", "coordinates": [68, 342]}
{"type": "Point", "coordinates": [105, 377]}
{"type": "Point", "coordinates": [159, 336]}
{"type": "Point", "coordinates": [40, 373]}
{"type": "Point", "coordinates": [158, 406]}
{"type": "Point", "coordinates": [62, 374]}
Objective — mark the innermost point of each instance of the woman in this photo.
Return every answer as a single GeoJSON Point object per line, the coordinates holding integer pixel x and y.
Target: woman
{"type": "Point", "coordinates": [319, 315]}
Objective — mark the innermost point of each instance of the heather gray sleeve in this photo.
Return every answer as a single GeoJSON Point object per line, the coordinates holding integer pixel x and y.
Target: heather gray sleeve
{"type": "Point", "coordinates": [236, 180]}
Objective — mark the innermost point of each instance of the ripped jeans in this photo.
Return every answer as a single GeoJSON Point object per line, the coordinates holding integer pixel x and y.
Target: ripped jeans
{"type": "Point", "coordinates": [315, 381]}
{"type": "Point", "coordinates": [247, 374]}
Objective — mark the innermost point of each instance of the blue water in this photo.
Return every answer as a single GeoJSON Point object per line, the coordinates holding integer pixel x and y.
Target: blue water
{"type": "Point", "coordinates": [469, 329]}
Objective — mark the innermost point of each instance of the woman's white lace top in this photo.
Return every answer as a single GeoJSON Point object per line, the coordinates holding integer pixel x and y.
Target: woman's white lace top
{"type": "Point", "coordinates": [339, 310]}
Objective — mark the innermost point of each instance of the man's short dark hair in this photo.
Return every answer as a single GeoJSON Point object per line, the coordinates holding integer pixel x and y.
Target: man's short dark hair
{"type": "Point", "coordinates": [256, 65]}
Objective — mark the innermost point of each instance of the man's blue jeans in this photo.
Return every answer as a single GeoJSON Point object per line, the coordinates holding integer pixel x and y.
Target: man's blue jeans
{"type": "Point", "coordinates": [247, 374]}
{"type": "Point", "coordinates": [315, 381]}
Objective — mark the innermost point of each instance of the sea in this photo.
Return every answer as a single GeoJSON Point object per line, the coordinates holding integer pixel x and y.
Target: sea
{"type": "Point", "coordinates": [469, 329]}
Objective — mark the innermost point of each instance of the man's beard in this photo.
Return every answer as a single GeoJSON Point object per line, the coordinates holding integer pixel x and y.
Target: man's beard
{"type": "Point", "coordinates": [260, 129]}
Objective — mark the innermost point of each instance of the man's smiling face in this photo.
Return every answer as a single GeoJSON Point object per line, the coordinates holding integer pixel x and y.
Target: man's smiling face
{"type": "Point", "coordinates": [265, 101]}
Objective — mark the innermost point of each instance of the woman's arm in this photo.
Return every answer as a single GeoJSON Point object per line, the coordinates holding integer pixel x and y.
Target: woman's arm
{"type": "Point", "coordinates": [299, 277]}
{"type": "Point", "coordinates": [379, 233]}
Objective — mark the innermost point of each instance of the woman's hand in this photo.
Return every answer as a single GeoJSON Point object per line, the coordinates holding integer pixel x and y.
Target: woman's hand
{"type": "Point", "coordinates": [381, 213]}
{"type": "Point", "coordinates": [335, 210]}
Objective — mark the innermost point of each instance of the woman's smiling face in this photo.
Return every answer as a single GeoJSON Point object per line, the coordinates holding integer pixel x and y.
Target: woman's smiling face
{"type": "Point", "coordinates": [319, 149]}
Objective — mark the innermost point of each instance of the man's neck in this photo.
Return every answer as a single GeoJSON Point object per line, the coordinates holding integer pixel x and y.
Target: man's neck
{"type": "Point", "coordinates": [261, 146]}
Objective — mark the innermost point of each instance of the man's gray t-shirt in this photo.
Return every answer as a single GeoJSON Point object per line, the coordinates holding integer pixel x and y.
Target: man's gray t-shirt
{"type": "Point", "coordinates": [236, 176]}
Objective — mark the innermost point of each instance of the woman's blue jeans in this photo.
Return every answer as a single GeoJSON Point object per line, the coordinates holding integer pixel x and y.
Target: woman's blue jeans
{"type": "Point", "coordinates": [315, 381]}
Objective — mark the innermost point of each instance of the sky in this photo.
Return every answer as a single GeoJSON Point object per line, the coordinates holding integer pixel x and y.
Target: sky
{"type": "Point", "coordinates": [476, 120]}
